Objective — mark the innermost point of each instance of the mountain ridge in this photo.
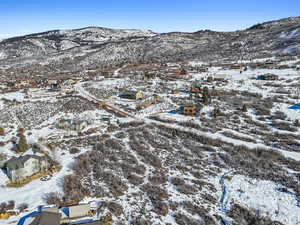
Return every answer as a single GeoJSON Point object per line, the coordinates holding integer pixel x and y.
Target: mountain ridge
{"type": "Point", "coordinates": [97, 45]}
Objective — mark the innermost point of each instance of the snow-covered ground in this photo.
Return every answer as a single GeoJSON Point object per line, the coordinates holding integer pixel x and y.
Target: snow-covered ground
{"type": "Point", "coordinates": [250, 193]}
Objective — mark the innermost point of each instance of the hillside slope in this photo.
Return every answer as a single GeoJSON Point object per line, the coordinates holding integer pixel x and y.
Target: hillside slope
{"type": "Point", "coordinates": [94, 45]}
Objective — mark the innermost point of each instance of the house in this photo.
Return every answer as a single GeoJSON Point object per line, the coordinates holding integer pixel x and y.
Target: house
{"type": "Point", "coordinates": [43, 81]}
{"type": "Point", "coordinates": [219, 77]}
{"type": "Point", "coordinates": [135, 95]}
{"type": "Point", "coordinates": [268, 76]}
{"type": "Point", "coordinates": [150, 75]}
{"type": "Point", "coordinates": [202, 69]}
{"type": "Point", "coordinates": [23, 83]}
{"type": "Point", "coordinates": [199, 69]}
{"type": "Point", "coordinates": [18, 169]}
{"type": "Point", "coordinates": [150, 101]}
{"type": "Point", "coordinates": [55, 86]}
{"type": "Point", "coordinates": [72, 212]}
{"type": "Point", "coordinates": [236, 67]}
{"type": "Point", "coordinates": [99, 78]}
{"type": "Point", "coordinates": [53, 81]}
{"type": "Point", "coordinates": [182, 72]}
{"type": "Point", "coordinates": [195, 89]}
{"type": "Point", "coordinates": [189, 110]}
{"type": "Point", "coordinates": [64, 215]}
{"type": "Point", "coordinates": [216, 77]}
{"type": "Point", "coordinates": [80, 210]}
{"type": "Point", "coordinates": [46, 218]}
{"type": "Point", "coordinates": [69, 124]}
{"type": "Point", "coordinates": [32, 90]}
{"type": "Point", "coordinates": [69, 82]}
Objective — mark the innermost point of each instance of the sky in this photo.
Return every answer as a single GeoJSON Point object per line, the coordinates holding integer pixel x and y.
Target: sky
{"type": "Point", "coordinates": [18, 17]}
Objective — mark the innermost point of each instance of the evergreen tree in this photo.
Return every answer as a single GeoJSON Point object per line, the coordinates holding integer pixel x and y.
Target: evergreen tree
{"type": "Point", "coordinates": [244, 109]}
{"type": "Point", "coordinates": [216, 112]}
{"type": "Point", "coordinates": [206, 96]}
{"type": "Point", "coordinates": [2, 131]}
{"type": "Point", "coordinates": [297, 123]}
{"type": "Point", "coordinates": [22, 146]}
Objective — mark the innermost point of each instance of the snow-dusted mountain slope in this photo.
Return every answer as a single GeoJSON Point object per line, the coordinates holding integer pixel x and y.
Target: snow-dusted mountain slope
{"type": "Point", "coordinates": [92, 45]}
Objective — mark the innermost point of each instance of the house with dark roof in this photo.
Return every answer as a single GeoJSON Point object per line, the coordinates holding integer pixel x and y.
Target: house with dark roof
{"type": "Point", "coordinates": [46, 218]}
{"type": "Point", "coordinates": [18, 169]}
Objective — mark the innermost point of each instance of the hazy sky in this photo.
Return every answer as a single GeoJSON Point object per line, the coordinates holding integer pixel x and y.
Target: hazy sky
{"type": "Point", "coordinates": [28, 16]}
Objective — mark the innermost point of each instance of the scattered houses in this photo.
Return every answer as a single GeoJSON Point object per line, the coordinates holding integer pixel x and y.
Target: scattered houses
{"type": "Point", "coordinates": [18, 169]}
{"type": "Point", "coordinates": [74, 214]}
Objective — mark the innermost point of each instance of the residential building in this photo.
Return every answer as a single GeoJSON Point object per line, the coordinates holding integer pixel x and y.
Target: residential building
{"type": "Point", "coordinates": [46, 218]}
{"type": "Point", "coordinates": [18, 169]}
{"type": "Point", "coordinates": [134, 95]}
{"type": "Point", "coordinates": [75, 125]}
{"type": "Point", "coordinates": [268, 76]}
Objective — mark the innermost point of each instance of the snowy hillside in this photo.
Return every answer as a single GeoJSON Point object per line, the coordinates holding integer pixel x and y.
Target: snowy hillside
{"type": "Point", "coordinates": [101, 45]}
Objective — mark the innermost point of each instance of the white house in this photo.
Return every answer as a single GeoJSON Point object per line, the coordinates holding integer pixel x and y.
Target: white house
{"type": "Point", "coordinates": [18, 169]}
{"type": "Point", "coordinates": [75, 125]}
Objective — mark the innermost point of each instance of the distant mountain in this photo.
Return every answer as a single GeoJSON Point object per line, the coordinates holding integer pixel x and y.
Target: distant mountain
{"type": "Point", "coordinates": [82, 48]}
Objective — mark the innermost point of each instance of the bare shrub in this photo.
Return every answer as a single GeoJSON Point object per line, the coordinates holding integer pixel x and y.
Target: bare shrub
{"type": "Point", "coordinates": [242, 138]}
{"type": "Point", "coordinates": [268, 164]}
{"type": "Point", "coordinates": [182, 219]}
{"type": "Point", "coordinates": [156, 180]}
{"type": "Point", "coordinates": [115, 184]}
{"type": "Point", "coordinates": [22, 207]}
{"type": "Point", "coordinates": [200, 211]}
{"type": "Point", "coordinates": [10, 205]}
{"type": "Point", "coordinates": [278, 115]}
{"type": "Point", "coordinates": [186, 189]}
{"type": "Point", "coordinates": [155, 193]}
{"type": "Point", "coordinates": [74, 150]}
{"type": "Point", "coordinates": [134, 179]}
{"type": "Point", "coordinates": [53, 198]}
{"type": "Point", "coordinates": [112, 128]}
{"type": "Point", "coordinates": [161, 208]}
{"type": "Point", "coordinates": [73, 189]}
{"type": "Point", "coordinates": [284, 126]}
{"type": "Point", "coordinates": [177, 181]}
{"type": "Point", "coordinates": [120, 135]}
{"type": "Point", "coordinates": [140, 221]}
{"type": "Point", "coordinates": [115, 208]}
{"type": "Point", "coordinates": [243, 216]}
{"type": "Point", "coordinates": [131, 124]}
